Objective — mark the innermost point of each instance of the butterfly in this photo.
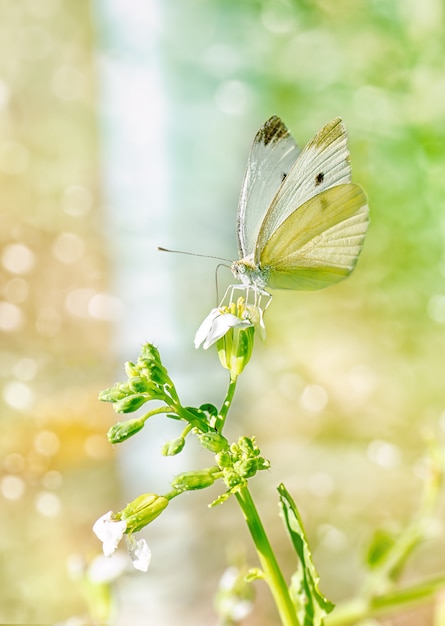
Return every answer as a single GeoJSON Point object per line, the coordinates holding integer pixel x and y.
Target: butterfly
{"type": "Point", "coordinates": [301, 221]}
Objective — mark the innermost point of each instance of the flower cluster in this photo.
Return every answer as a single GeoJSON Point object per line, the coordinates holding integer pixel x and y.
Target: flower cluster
{"type": "Point", "coordinates": [148, 380]}
{"type": "Point", "coordinates": [238, 463]}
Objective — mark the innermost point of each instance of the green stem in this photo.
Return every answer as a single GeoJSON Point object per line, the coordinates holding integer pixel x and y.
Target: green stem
{"type": "Point", "coordinates": [356, 610]}
{"type": "Point", "coordinates": [226, 404]}
{"type": "Point", "coordinates": [272, 572]}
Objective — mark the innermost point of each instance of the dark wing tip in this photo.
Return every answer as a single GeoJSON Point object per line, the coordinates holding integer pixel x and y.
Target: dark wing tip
{"type": "Point", "coordinates": [272, 130]}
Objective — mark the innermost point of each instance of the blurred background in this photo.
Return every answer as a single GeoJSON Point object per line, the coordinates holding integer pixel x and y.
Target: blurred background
{"type": "Point", "coordinates": [126, 124]}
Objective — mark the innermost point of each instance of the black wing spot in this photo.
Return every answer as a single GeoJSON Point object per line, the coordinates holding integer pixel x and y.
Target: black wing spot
{"type": "Point", "coordinates": [319, 178]}
{"type": "Point", "coordinates": [283, 176]}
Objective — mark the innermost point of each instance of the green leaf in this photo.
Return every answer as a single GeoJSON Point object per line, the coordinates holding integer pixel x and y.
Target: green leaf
{"type": "Point", "coordinates": [312, 606]}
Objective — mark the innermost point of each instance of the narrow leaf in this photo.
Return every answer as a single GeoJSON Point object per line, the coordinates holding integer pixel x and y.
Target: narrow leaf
{"type": "Point", "coordinates": [312, 606]}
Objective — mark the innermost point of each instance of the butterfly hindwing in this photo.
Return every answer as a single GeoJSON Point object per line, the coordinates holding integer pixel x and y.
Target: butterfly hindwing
{"type": "Point", "coordinates": [318, 244]}
{"type": "Point", "coordinates": [272, 155]}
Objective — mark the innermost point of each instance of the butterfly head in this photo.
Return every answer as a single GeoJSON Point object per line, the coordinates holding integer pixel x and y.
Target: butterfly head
{"type": "Point", "coordinates": [249, 273]}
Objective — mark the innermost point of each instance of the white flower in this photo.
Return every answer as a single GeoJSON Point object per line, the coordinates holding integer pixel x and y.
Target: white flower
{"type": "Point", "coordinates": [216, 325]}
{"type": "Point", "coordinates": [139, 552]}
{"type": "Point", "coordinates": [110, 532]}
{"type": "Point", "coordinates": [238, 312]}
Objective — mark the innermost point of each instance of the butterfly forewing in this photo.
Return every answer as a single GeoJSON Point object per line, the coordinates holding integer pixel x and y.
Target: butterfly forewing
{"type": "Point", "coordinates": [272, 155]}
{"type": "Point", "coordinates": [323, 163]}
{"type": "Point", "coordinates": [318, 244]}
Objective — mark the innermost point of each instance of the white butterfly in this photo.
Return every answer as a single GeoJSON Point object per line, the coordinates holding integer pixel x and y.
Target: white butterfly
{"type": "Point", "coordinates": [301, 222]}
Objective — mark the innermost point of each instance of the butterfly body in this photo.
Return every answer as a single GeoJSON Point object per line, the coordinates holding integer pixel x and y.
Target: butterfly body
{"type": "Point", "coordinates": [301, 222]}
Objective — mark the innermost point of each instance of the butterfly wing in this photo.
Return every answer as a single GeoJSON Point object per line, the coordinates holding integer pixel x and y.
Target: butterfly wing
{"type": "Point", "coordinates": [318, 244]}
{"type": "Point", "coordinates": [323, 163]}
{"type": "Point", "coordinates": [271, 157]}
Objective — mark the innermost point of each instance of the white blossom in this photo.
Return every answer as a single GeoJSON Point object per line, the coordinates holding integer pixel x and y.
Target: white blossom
{"type": "Point", "coordinates": [110, 532]}
{"type": "Point", "coordinates": [139, 552]}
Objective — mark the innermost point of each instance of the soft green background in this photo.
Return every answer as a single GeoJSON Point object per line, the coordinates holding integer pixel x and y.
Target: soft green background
{"type": "Point", "coordinates": [349, 385]}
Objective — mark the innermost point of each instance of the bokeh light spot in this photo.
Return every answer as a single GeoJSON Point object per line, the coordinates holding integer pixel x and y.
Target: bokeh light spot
{"type": "Point", "coordinates": [436, 308]}
{"type": "Point", "coordinates": [103, 306]}
{"type": "Point", "coordinates": [78, 300]}
{"type": "Point", "coordinates": [52, 480]}
{"type": "Point", "coordinates": [232, 97]}
{"type": "Point", "coordinates": [314, 398]}
{"type": "Point", "coordinates": [16, 290]}
{"type": "Point", "coordinates": [11, 317]}
{"type": "Point", "coordinates": [384, 453]}
{"type": "Point", "coordinates": [12, 487]}
{"type": "Point", "coordinates": [25, 369]}
{"type": "Point", "coordinates": [14, 463]}
{"type": "Point", "coordinates": [48, 504]}
{"type": "Point", "coordinates": [46, 443]}
{"type": "Point", "coordinates": [68, 247]}
{"type": "Point", "coordinates": [18, 258]}
{"type": "Point", "coordinates": [18, 395]}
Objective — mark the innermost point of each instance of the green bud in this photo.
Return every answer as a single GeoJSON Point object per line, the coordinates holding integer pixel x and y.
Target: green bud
{"type": "Point", "coordinates": [235, 349]}
{"type": "Point", "coordinates": [173, 447]}
{"type": "Point", "coordinates": [247, 446]}
{"type": "Point", "coordinates": [130, 403]}
{"type": "Point", "coordinates": [224, 459]}
{"type": "Point", "coordinates": [149, 352]}
{"type": "Point", "coordinates": [124, 430]}
{"type": "Point", "coordinates": [232, 479]}
{"type": "Point", "coordinates": [200, 479]}
{"type": "Point", "coordinates": [131, 369]}
{"type": "Point", "coordinates": [246, 468]}
{"type": "Point", "coordinates": [213, 441]}
{"type": "Point", "coordinates": [143, 510]}
{"type": "Point", "coordinates": [136, 384]}
{"type": "Point", "coordinates": [112, 394]}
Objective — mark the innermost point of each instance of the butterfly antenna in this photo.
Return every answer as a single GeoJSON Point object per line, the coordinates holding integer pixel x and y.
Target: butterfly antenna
{"type": "Point", "coordinates": [205, 256]}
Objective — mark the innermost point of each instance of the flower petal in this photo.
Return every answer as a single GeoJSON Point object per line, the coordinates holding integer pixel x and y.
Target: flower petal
{"type": "Point", "coordinates": [140, 553]}
{"type": "Point", "coordinates": [109, 531]}
{"type": "Point", "coordinates": [205, 327]}
{"type": "Point", "coordinates": [221, 325]}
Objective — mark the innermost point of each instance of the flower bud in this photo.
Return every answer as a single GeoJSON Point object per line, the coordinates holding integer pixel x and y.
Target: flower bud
{"type": "Point", "coordinates": [246, 468]}
{"type": "Point", "coordinates": [213, 442]}
{"type": "Point", "coordinates": [124, 430]}
{"type": "Point", "coordinates": [150, 352]}
{"type": "Point", "coordinates": [200, 479]}
{"type": "Point", "coordinates": [224, 459]}
{"type": "Point", "coordinates": [112, 394]}
{"type": "Point", "coordinates": [143, 510]}
{"type": "Point", "coordinates": [173, 447]}
{"type": "Point", "coordinates": [131, 369]}
{"type": "Point", "coordinates": [130, 403]}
